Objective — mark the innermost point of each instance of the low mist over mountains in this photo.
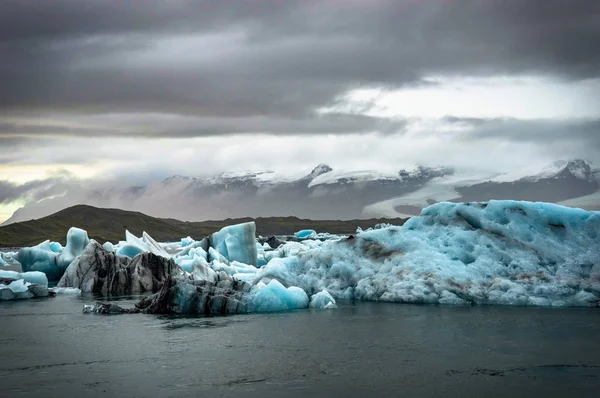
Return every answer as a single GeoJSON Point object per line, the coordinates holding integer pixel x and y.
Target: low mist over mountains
{"type": "Point", "coordinates": [325, 193]}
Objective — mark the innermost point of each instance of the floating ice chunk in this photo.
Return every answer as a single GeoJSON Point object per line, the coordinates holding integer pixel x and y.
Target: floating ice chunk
{"type": "Point", "coordinates": [107, 309]}
{"type": "Point", "coordinates": [275, 297]}
{"type": "Point", "coordinates": [3, 263]}
{"type": "Point", "coordinates": [237, 242]}
{"type": "Point", "coordinates": [65, 290]}
{"type": "Point", "coordinates": [322, 300]}
{"type": "Point", "coordinates": [108, 246]}
{"type": "Point", "coordinates": [306, 234]}
{"type": "Point", "coordinates": [16, 290]}
{"type": "Point", "coordinates": [31, 277]}
{"type": "Point", "coordinates": [20, 289]}
{"type": "Point", "coordinates": [42, 258]}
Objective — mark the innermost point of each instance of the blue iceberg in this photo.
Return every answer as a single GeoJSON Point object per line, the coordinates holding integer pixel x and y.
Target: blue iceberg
{"type": "Point", "coordinates": [499, 252]}
{"type": "Point", "coordinates": [306, 234]}
{"type": "Point", "coordinates": [42, 258]}
{"type": "Point", "coordinates": [237, 243]}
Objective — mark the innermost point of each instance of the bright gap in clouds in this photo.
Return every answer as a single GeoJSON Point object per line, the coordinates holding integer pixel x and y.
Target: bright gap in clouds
{"type": "Point", "coordinates": [526, 98]}
{"type": "Point", "coordinates": [427, 142]}
{"type": "Point", "coordinates": [22, 173]}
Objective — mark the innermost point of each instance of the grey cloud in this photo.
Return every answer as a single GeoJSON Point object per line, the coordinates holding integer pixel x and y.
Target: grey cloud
{"type": "Point", "coordinates": [288, 58]}
{"type": "Point", "coordinates": [34, 190]}
{"type": "Point", "coordinates": [535, 130]}
{"type": "Point", "coordinates": [568, 138]}
{"type": "Point", "coordinates": [175, 127]}
{"type": "Point", "coordinates": [37, 19]}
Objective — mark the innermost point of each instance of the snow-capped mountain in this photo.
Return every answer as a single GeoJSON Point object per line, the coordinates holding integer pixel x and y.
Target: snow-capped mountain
{"type": "Point", "coordinates": [325, 193]}
{"type": "Point", "coordinates": [574, 183]}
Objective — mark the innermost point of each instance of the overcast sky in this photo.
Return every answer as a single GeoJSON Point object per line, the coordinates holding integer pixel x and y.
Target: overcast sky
{"type": "Point", "coordinates": [137, 90]}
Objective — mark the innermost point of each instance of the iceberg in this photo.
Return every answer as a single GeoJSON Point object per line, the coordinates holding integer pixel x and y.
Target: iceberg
{"type": "Point", "coordinates": [31, 276]}
{"type": "Point", "coordinates": [322, 300]}
{"type": "Point", "coordinates": [11, 289]}
{"type": "Point", "coordinates": [64, 290]}
{"type": "Point", "coordinates": [274, 297]}
{"type": "Point", "coordinates": [488, 253]}
{"type": "Point", "coordinates": [53, 264]}
{"type": "Point", "coordinates": [99, 271]}
{"type": "Point", "coordinates": [306, 234]}
{"type": "Point", "coordinates": [499, 252]}
{"type": "Point", "coordinates": [236, 243]}
{"type": "Point", "coordinates": [224, 296]}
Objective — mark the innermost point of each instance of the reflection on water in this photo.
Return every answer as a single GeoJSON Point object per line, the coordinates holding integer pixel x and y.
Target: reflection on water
{"type": "Point", "coordinates": [50, 348]}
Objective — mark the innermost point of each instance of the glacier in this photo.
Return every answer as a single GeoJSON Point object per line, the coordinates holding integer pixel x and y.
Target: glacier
{"type": "Point", "coordinates": [480, 253]}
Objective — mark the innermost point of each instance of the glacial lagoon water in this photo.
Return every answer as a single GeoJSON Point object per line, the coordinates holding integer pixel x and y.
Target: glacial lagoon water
{"type": "Point", "coordinates": [49, 348]}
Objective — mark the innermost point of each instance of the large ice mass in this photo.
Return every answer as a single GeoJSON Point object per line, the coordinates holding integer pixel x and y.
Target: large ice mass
{"type": "Point", "coordinates": [500, 252]}
{"type": "Point", "coordinates": [497, 252]}
{"type": "Point", "coordinates": [52, 259]}
{"type": "Point", "coordinates": [101, 271]}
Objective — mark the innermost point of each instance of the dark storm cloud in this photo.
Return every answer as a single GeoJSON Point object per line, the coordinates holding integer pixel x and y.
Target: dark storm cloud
{"type": "Point", "coordinates": [272, 59]}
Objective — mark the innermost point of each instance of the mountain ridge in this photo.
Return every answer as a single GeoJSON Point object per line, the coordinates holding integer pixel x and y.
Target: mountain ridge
{"type": "Point", "coordinates": [105, 224]}
{"type": "Point", "coordinates": [325, 193]}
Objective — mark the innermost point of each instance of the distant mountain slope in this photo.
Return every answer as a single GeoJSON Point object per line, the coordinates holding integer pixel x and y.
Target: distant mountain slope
{"type": "Point", "coordinates": [572, 183]}
{"type": "Point", "coordinates": [325, 194]}
{"type": "Point", "coordinates": [320, 194]}
{"type": "Point", "coordinates": [110, 224]}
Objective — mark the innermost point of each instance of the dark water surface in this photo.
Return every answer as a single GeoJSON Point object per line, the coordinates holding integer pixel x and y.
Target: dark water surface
{"type": "Point", "coordinates": [49, 348]}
